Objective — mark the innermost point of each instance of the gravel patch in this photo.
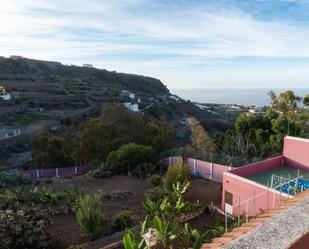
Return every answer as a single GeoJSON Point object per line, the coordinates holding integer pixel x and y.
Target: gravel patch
{"type": "Point", "coordinates": [277, 233]}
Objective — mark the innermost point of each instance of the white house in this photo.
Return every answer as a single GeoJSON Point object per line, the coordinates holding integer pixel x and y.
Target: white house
{"type": "Point", "coordinates": [132, 107]}
{"type": "Point", "coordinates": [174, 97]}
{"type": "Point", "coordinates": [8, 132]}
{"type": "Point", "coordinates": [3, 94]}
{"type": "Point", "coordinates": [87, 65]}
{"type": "Point", "coordinates": [126, 93]}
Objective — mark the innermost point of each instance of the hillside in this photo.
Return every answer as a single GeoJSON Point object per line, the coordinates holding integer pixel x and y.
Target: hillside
{"type": "Point", "coordinates": [45, 93]}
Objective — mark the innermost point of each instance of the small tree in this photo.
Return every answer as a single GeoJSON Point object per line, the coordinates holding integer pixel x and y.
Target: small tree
{"type": "Point", "coordinates": [306, 100]}
{"type": "Point", "coordinates": [130, 157]}
{"type": "Point", "coordinates": [176, 173]}
{"type": "Point", "coordinates": [199, 137]}
{"type": "Point", "coordinates": [90, 216]}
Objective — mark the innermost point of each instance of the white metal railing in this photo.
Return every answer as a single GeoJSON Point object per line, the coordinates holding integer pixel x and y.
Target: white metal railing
{"type": "Point", "coordinates": [251, 202]}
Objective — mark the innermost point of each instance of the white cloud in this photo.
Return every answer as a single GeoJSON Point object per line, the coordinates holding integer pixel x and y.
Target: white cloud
{"type": "Point", "coordinates": [146, 34]}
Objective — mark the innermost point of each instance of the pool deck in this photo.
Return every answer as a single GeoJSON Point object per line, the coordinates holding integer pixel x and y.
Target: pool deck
{"type": "Point", "coordinates": [277, 228]}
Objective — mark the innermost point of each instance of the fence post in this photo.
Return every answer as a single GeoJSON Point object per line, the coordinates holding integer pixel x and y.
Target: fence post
{"type": "Point", "coordinates": [238, 212]}
{"type": "Point", "coordinates": [253, 203]}
{"type": "Point", "coordinates": [211, 170]}
{"type": "Point", "coordinates": [225, 221]}
{"type": "Point", "coordinates": [289, 179]}
{"type": "Point", "coordinates": [57, 172]}
{"type": "Point", "coordinates": [267, 195]}
{"type": "Point", "coordinates": [272, 181]}
{"type": "Point", "coordinates": [75, 170]}
{"type": "Point", "coordinates": [280, 188]}
{"type": "Point", "coordinates": [37, 174]}
{"type": "Point", "coordinates": [169, 161]}
{"type": "Point", "coordinates": [194, 166]}
{"type": "Point", "coordinates": [247, 212]}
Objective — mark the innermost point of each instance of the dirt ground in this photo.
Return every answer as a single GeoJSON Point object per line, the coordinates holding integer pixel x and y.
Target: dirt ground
{"type": "Point", "coordinates": [205, 191]}
{"type": "Point", "coordinates": [64, 226]}
{"type": "Point", "coordinates": [66, 232]}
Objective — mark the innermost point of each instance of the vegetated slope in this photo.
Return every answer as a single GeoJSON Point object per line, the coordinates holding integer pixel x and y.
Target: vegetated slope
{"type": "Point", "coordinates": [47, 71]}
{"type": "Point", "coordinates": [45, 90]}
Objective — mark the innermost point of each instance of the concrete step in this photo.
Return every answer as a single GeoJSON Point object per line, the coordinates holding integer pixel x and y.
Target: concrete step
{"type": "Point", "coordinates": [233, 234]}
{"type": "Point", "coordinates": [251, 224]}
{"type": "Point", "coordinates": [222, 240]}
{"type": "Point", "coordinates": [211, 246]}
{"type": "Point", "coordinates": [242, 229]}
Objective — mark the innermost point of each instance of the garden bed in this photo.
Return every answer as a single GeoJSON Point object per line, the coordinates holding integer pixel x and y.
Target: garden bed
{"type": "Point", "coordinates": [118, 193]}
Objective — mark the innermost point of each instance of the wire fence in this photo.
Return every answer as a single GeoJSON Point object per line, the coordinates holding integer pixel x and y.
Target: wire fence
{"type": "Point", "coordinates": [219, 158]}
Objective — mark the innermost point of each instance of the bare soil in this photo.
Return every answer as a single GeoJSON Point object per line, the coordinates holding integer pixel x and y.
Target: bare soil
{"type": "Point", "coordinates": [65, 230]}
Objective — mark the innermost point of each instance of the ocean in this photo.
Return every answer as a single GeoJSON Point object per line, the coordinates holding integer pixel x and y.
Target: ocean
{"type": "Point", "coordinates": [242, 96]}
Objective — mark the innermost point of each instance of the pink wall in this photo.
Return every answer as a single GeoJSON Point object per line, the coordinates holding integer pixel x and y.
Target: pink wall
{"type": "Point", "coordinates": [255, 168]}
{"type": "Point", "coordinates": [190, 164]}
{"type": "Point", "coordinates": [207, 170]}
{"type": "Point", "coordinates": [296, 151]}
{"type": "Point", "coordinates": [243, 190]}
{"type": "Point", "coordinates": [52, 172]}
{"type": "Point", "coordinates": [219, 170]}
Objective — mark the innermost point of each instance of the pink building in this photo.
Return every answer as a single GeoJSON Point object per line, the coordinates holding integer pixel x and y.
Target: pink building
{"type": "Point", "coordinates": [250, 189]}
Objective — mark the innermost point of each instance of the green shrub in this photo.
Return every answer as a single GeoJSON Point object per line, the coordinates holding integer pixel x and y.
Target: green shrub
{"type": "Point", "coordinates": [129, 158]}
{"type": "Point", "coordinates": [176, 173]}
{"type": "Point", "coordinates": [13, 177]}
{"type": "Point", "coordinates": [43, 196]}
{"type": "Point", "coordinates": [73, 195]}
{"type": "Point", "coordinates": [156, 194]}
{"type": "Point", "coordinates": [90, 216]}
{"type": "Point", "coordinates": [24, 229]}
{"type": "Point", "coordinates": [101, 172]}
{"type": "Point", "coordinates": [8, 198]}
{"type": "Point", "coordinates": [155, 180]}
{"type": "Point", "coordinates": [49, 197]}
{"type": "Point", "coordinates": [123, 220]}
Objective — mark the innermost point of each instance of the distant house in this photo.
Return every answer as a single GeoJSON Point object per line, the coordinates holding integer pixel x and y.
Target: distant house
{"type": "Point", "coordinates": [9, 132]}
{"type": "Point", "coordinates": [87, 65]}
{"type": "Point", "coordinates": [256, 110]}
{"type": "Point", "coordinates": [16, 57]}
{"type": "Point", "coordinates": [126, 93]}
{"type": "Point", "coordinates": [132, 107]}
{"type": "Point", "coordinates": [2, 90]}
{"type": "Point", "coordinates": [174, 97]}
{"type": "Point", "coordinates": [3, 94]}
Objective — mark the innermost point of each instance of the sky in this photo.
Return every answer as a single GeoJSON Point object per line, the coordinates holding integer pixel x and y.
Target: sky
{"type": "Point", "coordinates": [184, 43]}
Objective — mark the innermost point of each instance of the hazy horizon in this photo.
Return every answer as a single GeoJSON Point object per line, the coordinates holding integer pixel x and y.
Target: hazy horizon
{"type": "Point", "coordinates": [242, 96]}
{"type": "Point", "coordinates": [183, 43]}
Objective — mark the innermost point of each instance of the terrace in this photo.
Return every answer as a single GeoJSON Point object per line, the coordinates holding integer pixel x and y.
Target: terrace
{"type": "Point", "coordinates": [256, 187]}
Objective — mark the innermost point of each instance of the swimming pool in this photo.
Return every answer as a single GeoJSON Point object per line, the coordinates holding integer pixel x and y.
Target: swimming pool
{"type": "Point", "coordinates": [264, 178]}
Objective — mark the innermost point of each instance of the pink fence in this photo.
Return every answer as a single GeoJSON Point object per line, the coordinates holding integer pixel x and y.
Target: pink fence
{"type": "Point", "coordinates": [57, 172]}
{"type": "Point", "coordinates": [203, 169]}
